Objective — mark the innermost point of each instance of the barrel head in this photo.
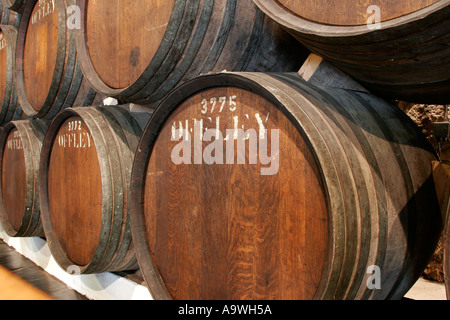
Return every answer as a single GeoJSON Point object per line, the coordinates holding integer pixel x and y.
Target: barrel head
{"type": "Point", "coordinates": [124, 36]}
{"type": "Point", "coordinates": [40, 51]}
{"type": "Point", "coordinates": [75, 191]}
{"type": "Point", "coordinates": [248, 223]}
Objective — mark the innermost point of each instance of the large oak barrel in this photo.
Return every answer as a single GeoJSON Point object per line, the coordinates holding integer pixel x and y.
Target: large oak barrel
{"type": "Point", "coordinates": [176, 40]}
{"type": "Point", "coordinates": [263, 186]}
{"type": "Point", "coordinates": [397, 49]}
{"type": "Point", "coordinates": [20, 153]}
{"type": "Point", "coordinates": [10, 109]}
{"type": "Point", "coordinates": [85, 174]}
{"type": "Point", "coordinates": [48, 76]}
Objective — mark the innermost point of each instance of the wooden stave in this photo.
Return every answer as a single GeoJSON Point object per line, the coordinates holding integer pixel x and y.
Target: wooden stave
{"type": "Point", "coordinates": [165, 71]}
{"type": "Point", "coordinates": [119, 255]}
{"type": "Point", "coordinates": [32, 133]}
{"type": "Point", "coordinates": [68, 88]}
{"type": "Point", "coordinates": [330, 288]}
{"type": "Point", "coordinates": [355, 57]}
{"type": "Point", "coordinates": [11, 110]}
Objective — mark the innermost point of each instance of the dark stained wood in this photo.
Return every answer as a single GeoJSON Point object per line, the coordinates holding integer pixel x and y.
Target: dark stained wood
{"type": "Point", "coordinates": [353, 190]}
{"type": "Point", "coordinates": [20, 151]}
{"type": "Point", "coordinates": [351, 13]}
{"type": "Point", "coordinates": [406, 58]}
{"type": "Point", "coordinates": [173, 41]}
{"type": "Point", "coordinates": [10, 109]}
{"type": "Point", "coordinates": [85, 169]}
{"type": "Point", "coordinates": [49, 78]}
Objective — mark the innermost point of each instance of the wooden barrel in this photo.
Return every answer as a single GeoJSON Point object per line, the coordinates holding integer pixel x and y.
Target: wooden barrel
{"type": "Point", "coordinates": [20, 153]}
{"type": "Point", "coordinates": [10, 109]}
{"type": "Point", "coordinates": [262, 186]}
{"type": "Point", "coordinates": [446, 249]}
{"type": "Point", "coordinates": [14, 5]}
{"type": "Point", "coordinates": [394, 48]}
{"type": "Point", "coordinates": [48, 76]}
{"type": "Point", "coordinates": [85, 173]}
{"type": "Point", "coordinates": [176, 40]}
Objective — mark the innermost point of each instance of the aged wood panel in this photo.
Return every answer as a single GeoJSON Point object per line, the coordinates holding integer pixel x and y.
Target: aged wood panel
{"type": "Point", "coordinates": [352, 13]}
{"type": "Point", "coordinates": [48, 76]}
{"type": "Point", "coordinates": [85, 169]}
{"type": "Point", "coordinates": [402, 58]}
{"type": "Point", "coordinates": [314, 228]}
{"type": "Point", "coordinates": [174, 41]}
{"type": "Point", "coordinates": [20, 151]}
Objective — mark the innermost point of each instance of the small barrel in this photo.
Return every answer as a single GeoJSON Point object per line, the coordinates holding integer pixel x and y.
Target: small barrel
{"type": "Point", "coordinates": [263, 186]}
{"type": "Point", "coordinates": [20, 153]}
{"type": "Point", "coordinates": [396, 49]}
{"type": "Point", "coordinates": [85, 172]}
{"type": "Point", "coordinates": [176, 40]}
{"type": "Point", "coordinates": [48, 76]}
{"type": "Point", "coordinates": [10, 109]}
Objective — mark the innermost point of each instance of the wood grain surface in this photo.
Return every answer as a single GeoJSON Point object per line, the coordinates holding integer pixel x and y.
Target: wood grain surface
{"type": "Point", "coordinates": [75, 191]}
{"type": "Point", "coordinates": [135, 28]}
{"type": "Point", "coordinates": [231, 232]}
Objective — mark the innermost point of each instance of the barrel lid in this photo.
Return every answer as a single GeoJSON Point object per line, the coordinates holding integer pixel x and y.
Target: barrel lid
{"type": "Point", "coordinates": [72, 201]}
{"type": "Point", "coordinates": [224, 223]}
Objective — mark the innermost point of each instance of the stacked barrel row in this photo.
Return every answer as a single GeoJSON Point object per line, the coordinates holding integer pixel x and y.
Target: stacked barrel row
{"type": "Point", "coordinates": [333, 181]}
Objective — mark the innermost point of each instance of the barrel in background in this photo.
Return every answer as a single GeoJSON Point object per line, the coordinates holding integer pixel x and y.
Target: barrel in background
{"type": "Point", "coordinates": [348, 189]}
{"type": "Point", "coordinates": [174, 41]}
{"type": "Point", "coordinates": [48, 76]}
{"type": "Point", "coordinates": [14, 5]}
{"type": "Point", "coordinates": [405, 56]}
{"type": "Point", "coordinates": [8, 16]}
{"type": "Point", "coordinates": [85, 173]}
{"type": "Point", "coordinates": [20, 152]}
{"type": "Point", "coordinates": [10, 109]}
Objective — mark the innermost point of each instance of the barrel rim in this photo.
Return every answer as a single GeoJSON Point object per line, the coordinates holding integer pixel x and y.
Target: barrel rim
{"type": "Point", "coordinates": [302, 25]}
{"type": "Point", "coordinates": [151, 132]}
